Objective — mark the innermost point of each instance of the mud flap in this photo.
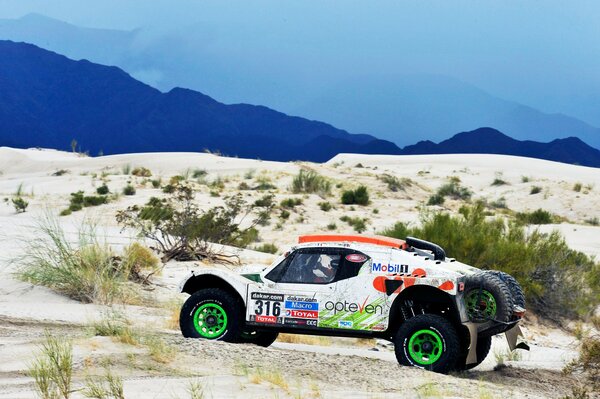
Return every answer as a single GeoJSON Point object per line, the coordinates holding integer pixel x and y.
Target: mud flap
{"type": "Point", "coordinates": [472, 355]}
{"type": "Point", "coordinates": [512, 335]}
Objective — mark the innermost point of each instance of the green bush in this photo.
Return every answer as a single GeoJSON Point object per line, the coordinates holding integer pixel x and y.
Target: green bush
{"type": "Point", "coordinates": [94, 200]}
{"type": "Point", "coordinates": [308, 181]}
{"type": "Point", "coordinates": [538, 216]}
{"type": "Point", "coordinates": [156, 183]}
{"type": "Point", "coordinates": [331, 226]}
{"type": "Point", "coordinates": [141, 172]}
{"type": "Point", "coordinates": [102, 190]}
{"type": "Point", "coordinates": [454, 190]}
{"type": "Point", "coordinates": [20, 204]}
{"type": "Point", "coordinates": [291, 202]}
{"type": "Point", "coordinates": [436, 199]}
{"type": "Point", "coordinates": [359, 224]}
{"type": "Point", "coordinates": [284, 214]}
{"type": "Point", "coordinates": [498, 182]}
{"type": "Point", "coordinates": [395, 184]}
{"type": "Point", "coordinates": [325, 206]}
{"type": "Point", "coordinates": [360, 196]}
{"type": "Point", "coordinates": [535, 190]}
{"type": "Point", "coordinates": [52, 369]}
{"type": "Point", "coordinates": [558, 281]}
{"type": "Point", "coordinates": [577, 187]}
{"type": "Point", "coordinates": [87, 271]}
{"type": "Point", "coordinates": [129, 190]}
{"type": "Point", "coordinates": [267, 247]}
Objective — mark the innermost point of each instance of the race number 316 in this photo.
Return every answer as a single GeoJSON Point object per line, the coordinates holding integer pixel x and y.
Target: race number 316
{"type": "Point", "coordinates": [267, 308]}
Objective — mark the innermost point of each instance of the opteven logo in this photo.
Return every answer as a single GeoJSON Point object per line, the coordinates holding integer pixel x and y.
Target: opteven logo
{"type": "Point", "coordinates": [353, 307]}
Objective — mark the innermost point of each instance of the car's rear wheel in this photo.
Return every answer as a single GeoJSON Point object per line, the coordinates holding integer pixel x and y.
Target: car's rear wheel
{"type": "Point", "coordinates": [260, 338]}
{"type": "Point", "coordinates": [489, 303]}
{"type": "Point", "coordinates": [211, 313]}
{"type": "Point", "coordinates": [427, 341]}
{"type": "Point", "coordinates": [513, 285]}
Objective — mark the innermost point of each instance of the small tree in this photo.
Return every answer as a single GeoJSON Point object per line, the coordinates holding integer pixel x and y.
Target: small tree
{"type": "Point", "coordinates": [181, 231]}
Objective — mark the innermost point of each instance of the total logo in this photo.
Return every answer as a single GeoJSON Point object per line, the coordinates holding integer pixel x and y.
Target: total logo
{"type": "Point", "coordinates": [378, 267]}
{"type": "Point", "coordinates": [302, 314]}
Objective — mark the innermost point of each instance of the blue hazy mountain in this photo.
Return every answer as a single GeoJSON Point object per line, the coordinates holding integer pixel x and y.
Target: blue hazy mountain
{"type": "Point", "coordinates": [490, 141]}
{"type": "Point", "coordinates": [401, 108]}
{"type": "Point", "coordinates": [47, 100]}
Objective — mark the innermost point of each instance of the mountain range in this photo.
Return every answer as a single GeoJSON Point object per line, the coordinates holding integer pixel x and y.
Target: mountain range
{"type": "Point", "coordinates": [48, 100]}
{"type": "Point", "coordinates": [231, 65]}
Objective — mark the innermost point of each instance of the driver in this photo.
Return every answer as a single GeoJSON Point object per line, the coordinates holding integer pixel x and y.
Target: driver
{"type": "Point", "coordinates": [324, 269]}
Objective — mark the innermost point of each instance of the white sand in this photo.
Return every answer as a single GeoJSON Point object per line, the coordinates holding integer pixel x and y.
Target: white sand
{"type": "Point", "coordinates": [25, 309]}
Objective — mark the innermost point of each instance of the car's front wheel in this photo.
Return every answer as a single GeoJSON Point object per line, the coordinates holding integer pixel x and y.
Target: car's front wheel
{"type": "Point", "coordinates": [211, 313]}
{"type": "Point", "coordinates": [427, 341]}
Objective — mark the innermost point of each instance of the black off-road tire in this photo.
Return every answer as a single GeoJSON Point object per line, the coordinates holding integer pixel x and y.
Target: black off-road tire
{"type": "Point", "coordinates": [479, 284]}
{"type": "Point", "coordinates": [260, 338]}
{"type": "Point", "coordinates": [484, 344]}
{"type": "Point", "coordinates": [442, 328]}
{"type": "Point", "coordinates": [513, 285]}
{"type": "Point", "coordinates": [231, 306]}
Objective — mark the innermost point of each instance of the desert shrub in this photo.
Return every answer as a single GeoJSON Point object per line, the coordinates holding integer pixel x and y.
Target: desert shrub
{"type": "Point", "coordinates": [113, 324]}
{"type": "Point", "coordinates": [126, 169]}
{"type": "Point", "coordinates": [535, 190]}
{"type": "Point", "coordinates": [102, 190]}
{"type": "Point", "coordinates": [593, 221]}
{"type": "Point", "coordinates": [52, 369]}
{"type": "Point", "coordinates": [267, 247]}
{"type": "Point", "coordinates": [94, 200]}
{"type": "Point", "coordinates": [359, 224]}
{"type": "Point", "coordinates": [177, 179]}
{"type": "Point", "coordinates": [525, 179]}
{"type": "Point", "coordinates": [499, 182]}
{"type": "Point", "coordinates": [87, 270]}
{"type": "Point", "coordinates": [325, 206]}
{"type": "Point", "coordinates": [588, 361]}
{"type": "Point", "coordinates": [436, 199]}
{"type": "Point", "coordinates": [309, 181]}
{"type": "Point", "coordinates": [156, 183]}
{"type": "Point", "coordinates": [500, 203]}
{"type": "Point", "coordinates": [395, 184]}
{"type": "Point", "coordinates": [264, 183]}
{"type": "Point", "coordinates": [360, 196]}
{"type": "Point", "coordinates": [539, 216]}
{"type": "Point", "coordinates": [244, 186]}
{"type": "Point", "coordinates": [454, 190]}
{"type": "Point", "coordinates": [20, 204]}
{"type": "Point", "coordinates": [558, 281]}
{"type": "Point", "coordinates": [217, 184]}
{"type": "Point", "coordinates": [129, 190]}
{"type": "Point", "coordinates": [284, 214]}
{"type": "Point", "coordinates": [141, 172]}
{"type": "Point", "coordinates": [290, 202]}
{"type": "Point", "coordinates": [139, 263]}
{"type": "Point", "coordinates": [60, 172]}
{"type": "Point", "coordinates": [169, 188]}
{"type": "Point", "coordinates": [109, 386]}
{"type": "Point", "coordinates": [577, 187]}
{"type": "Point", "coordinates": [331, 226]}
{"type": "Point", "coordinates": [199, 173]}
{"type": "Point", "coordinates": [181, 231]}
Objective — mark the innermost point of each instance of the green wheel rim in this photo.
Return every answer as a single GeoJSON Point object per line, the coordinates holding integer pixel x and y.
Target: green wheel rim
{"type": "Point", "coordinates": [481, 306]}
{"type": "Point", "coordinates": [425, 347]}
{"type": "Point", "coordinates": [210, 320]}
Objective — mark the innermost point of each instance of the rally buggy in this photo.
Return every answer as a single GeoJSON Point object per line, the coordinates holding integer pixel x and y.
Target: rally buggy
{"type": "Point", "coordinates": [439, 313]}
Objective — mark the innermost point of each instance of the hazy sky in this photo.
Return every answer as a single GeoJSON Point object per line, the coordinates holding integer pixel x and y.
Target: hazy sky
{"type": "Point", "coordinates": [541, 53]}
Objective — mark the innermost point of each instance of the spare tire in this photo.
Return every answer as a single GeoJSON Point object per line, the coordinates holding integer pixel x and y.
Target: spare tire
{"type": "Point", "coordinates": [513, 285]}
{"type": "Point", "coordinates": [489, 303]}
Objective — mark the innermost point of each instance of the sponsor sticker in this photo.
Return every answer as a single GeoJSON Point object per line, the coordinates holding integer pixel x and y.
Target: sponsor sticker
{"type": "Point", "coordinates": [378, 267]}
{"type": "Point", "coordinates": [301, 305]}
{"type": "Point", "coordinates": [265, 296]}
{"type": "Point", "coordinates": [302, 314]}
{"type": "Point", "coordinates": [356, 258]}
{"type": "Point", "coordinates": [265, 319]}
{"type": "Point", "coordinates": [300, 322]}
{"type": "Point", "coordinates": [345, 324]}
